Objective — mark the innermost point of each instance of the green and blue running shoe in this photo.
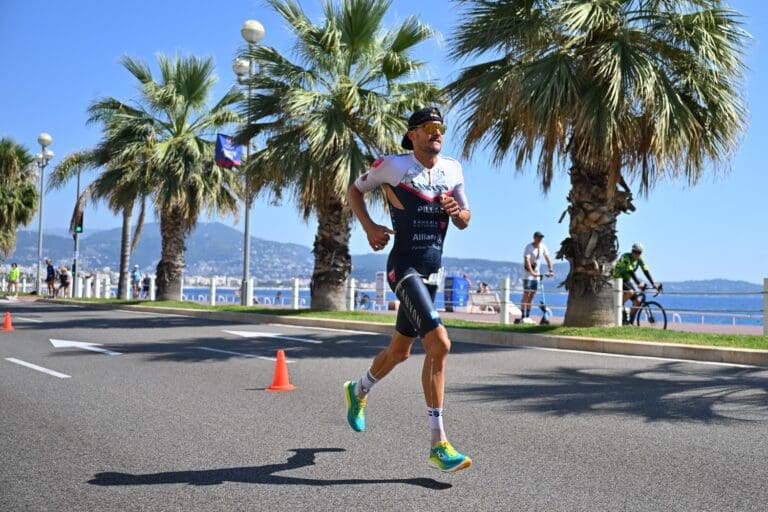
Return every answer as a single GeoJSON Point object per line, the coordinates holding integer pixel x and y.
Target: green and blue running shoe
{"type": "Point", "coordinates": [355, 407]}
{"type": "Point", "coordinates": [445, 458]}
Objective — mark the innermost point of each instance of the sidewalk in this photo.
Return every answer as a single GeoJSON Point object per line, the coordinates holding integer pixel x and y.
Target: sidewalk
{"type": "Point", "coordinates": [493, 318]}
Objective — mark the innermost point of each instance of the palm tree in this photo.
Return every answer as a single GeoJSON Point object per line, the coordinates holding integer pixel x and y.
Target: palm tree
{"type": "Point", "coordinates": [615, 90]}
{"type": "Point", "coordinates": [18, 194]}
{"type": "Point", "coordinates": [121, 184]}
{"type": "Point", "coordinates": [170, 130]}
{"type": "Point", "coordinates": [328, 115]}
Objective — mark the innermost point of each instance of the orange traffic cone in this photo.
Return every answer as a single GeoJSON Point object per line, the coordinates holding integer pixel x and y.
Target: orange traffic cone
{"type": "Point", "coordinates": [280, 381]}
{"type": "Point", "coordinates": [7, 326]}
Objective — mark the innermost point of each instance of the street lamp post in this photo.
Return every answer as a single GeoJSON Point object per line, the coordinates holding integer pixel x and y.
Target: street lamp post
{"type": "Point", "coordinates": [75, 288]}
{"type": "Point", "coordinates": [252, 31]}
{"type": "Point", "coordinates": [42, 159]}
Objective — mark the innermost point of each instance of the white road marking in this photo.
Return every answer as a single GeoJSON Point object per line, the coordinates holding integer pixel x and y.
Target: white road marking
{"type": "Point", "coordinates": [369, 333]}
{"type": "Point", "coordinates": [93, 347]}
{"type": "Point", "coordinates": [250, 334]}
{"type": "Point", "coordinates": [241, 354]}
{"type": "Point", "coordinates": [38, 368]}
{"type": "Point", "coordinates": [25, 319]}
{"type": "Point", "coordinates": [273, 359]}
{"type": "Point", "coordinates": [653, 358]}
{"type": "Point", "coordinates": [156, 313]}
{"type": "Point", "coordinates": [224, 351]}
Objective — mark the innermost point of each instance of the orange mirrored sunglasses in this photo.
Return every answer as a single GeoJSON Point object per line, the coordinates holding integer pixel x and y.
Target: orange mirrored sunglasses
{"type": "Point", "coordinates": [431, 128]}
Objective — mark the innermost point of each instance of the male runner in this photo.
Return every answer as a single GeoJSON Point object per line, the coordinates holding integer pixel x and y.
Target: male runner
{"type": "Point", "coordinates": [424, 191]}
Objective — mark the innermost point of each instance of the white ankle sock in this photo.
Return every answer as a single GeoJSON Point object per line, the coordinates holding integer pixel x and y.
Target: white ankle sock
{"type": "Point", "coordinates": [365, 384]}
{"type": "Point", "coordinates": [436, 424]}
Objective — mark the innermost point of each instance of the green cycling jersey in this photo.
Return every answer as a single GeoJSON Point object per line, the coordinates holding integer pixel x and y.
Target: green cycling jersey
{"type": "Point", "coordinates": [627, 265]}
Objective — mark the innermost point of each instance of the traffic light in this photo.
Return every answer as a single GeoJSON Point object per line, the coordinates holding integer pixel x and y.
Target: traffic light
{"type": "Point", "coordinates": [79, 223]}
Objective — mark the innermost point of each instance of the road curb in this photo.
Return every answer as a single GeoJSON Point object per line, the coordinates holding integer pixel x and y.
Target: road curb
{"type": "Point", "coordinates": [745, 356]}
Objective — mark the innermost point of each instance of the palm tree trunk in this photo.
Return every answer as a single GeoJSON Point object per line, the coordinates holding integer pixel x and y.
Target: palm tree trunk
{"type": "Point", "coordinates": [592, 248]}
{"type": "Point", "coordinates": [170, 268]}
{"type": "Point", "coordinates": [125, 254]}
{"type": "Point", "coordinates": [333, 263]}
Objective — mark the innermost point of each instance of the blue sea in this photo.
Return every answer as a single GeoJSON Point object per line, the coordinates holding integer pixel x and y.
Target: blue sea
{"type": "Point", "coordinates": [736, 309]}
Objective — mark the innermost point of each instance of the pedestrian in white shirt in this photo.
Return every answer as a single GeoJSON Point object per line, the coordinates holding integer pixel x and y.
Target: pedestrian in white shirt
{"type": "Point", "coordinates": [532, 265]}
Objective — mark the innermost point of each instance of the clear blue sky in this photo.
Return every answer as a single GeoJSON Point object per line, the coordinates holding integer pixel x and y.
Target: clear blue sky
{"type": "Point", "coordinates": [59, 56]}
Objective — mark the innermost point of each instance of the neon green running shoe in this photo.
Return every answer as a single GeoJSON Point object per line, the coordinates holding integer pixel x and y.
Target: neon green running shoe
{"type": "Point", "coordinates": [444, 457]}
{"type": "Point", "coordinates": [355, 407]}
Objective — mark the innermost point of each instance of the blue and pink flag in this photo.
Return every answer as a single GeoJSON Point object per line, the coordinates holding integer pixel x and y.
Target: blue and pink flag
{"type": "Point", "coordinates": [228, 154]}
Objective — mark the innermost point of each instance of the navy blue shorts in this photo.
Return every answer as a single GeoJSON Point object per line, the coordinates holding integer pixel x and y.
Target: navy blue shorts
{"type": "Point", "coordinates": [416, 315]}
{"type": "Point", "coordinates": [530, 285]}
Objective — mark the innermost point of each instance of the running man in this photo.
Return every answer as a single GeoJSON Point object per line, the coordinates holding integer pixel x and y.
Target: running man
{"type": "Point", "coordinates": [424, 191]}
{"type": "Point", "coordinates": [625, 269]}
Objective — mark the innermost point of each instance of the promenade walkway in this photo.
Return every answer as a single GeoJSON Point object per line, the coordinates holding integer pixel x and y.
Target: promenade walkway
{"type": "Point", "coordinates": [493, 318]}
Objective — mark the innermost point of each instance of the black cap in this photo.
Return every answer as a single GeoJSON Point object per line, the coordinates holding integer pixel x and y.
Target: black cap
{"type": "Point", "coordinates": [424, 115]}
{"type": "Point", "coordinates": [538, 234]}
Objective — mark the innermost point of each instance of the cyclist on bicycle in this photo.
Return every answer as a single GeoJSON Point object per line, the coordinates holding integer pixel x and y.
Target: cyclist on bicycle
{"type": "Point", "coordinates": [625, 269]}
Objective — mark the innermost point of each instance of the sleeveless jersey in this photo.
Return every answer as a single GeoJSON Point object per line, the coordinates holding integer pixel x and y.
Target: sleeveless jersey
{"type": "Point", "coordinates": [421, 224]}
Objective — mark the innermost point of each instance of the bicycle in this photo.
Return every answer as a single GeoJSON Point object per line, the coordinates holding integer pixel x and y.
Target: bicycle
{"type": "Point", "coordinates": [650, 313]}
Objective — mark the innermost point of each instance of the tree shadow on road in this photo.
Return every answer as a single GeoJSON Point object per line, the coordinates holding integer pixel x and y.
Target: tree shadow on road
{"type": "Point", "coordinates": [200, 349]}
{"type": "Point", "coordinates": [666, 392]}
{"type": "Point", "coordinates": [256, 475]}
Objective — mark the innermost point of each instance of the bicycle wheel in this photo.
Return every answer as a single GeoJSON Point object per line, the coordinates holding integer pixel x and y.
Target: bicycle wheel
{"type": "Point", "coordinates": [651, 314]}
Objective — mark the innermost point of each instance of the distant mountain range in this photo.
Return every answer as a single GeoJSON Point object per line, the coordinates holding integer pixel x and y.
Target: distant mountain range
{"type": "Point", "coordinates": [217, 249]}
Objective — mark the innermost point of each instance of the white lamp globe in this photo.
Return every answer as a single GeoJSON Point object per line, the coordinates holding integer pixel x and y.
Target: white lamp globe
{"type": "Point", "coordinates": [252, 31]}
{"type": "Point", "coordinates": [44, 139]}
{"type": "Point", "coordinates": [241, 67]}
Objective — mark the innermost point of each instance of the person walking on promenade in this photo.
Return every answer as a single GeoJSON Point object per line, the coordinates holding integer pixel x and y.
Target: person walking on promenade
{"type": "Point", "coordinates": [424, 191]}
{"type": "Point", "coordinates": [136, 281]}
{"type": "Point", "coordinates": [64, 281]}
{"type": "Point", "coordinates": [13, 280]}
{"type": "Point", "coordinates": [50, 278]}
{"type": "Point", "coordinates": [625, 269]}
{"type": "Point", "coordinates": [532, 255]}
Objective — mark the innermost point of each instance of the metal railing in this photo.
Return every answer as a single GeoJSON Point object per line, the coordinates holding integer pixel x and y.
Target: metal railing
{"type": "Point", "coordinates": [372, 299]}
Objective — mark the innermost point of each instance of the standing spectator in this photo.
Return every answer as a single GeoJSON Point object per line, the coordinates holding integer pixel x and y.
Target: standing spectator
{"type": "Point", "coordinates": [531, 263]}
{"type": "Point", "coordinates": [145, 287]}
{"type": "Point", "coordinates": [13, 280]}
{"type": "Point", "coordinates": [135, 281]}
{"type": "Point", "coordinates": [65, 279]}
{"type": "Point", "coordinates": [469, 281]}
{"type": "Point", "coordinates": [50, 278]}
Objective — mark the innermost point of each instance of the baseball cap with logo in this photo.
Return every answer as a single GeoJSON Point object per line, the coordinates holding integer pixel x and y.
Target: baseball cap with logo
{"type": "Point", "coordinates": [424, 115]}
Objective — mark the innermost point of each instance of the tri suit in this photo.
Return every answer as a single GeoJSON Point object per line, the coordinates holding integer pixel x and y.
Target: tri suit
{"type": "Point", "coordinates": [420, 225]}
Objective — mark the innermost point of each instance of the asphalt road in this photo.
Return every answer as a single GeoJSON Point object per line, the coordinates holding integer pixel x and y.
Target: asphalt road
{"type": "Point", "coordinates": [180, 420]}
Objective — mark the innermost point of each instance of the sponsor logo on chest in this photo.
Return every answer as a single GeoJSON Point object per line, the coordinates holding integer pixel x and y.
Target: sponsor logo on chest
{"type": "Point", "coordinates": [431, 183]}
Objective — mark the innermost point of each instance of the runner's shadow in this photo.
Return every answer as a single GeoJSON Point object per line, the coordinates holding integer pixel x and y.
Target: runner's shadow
{"type": "Point", "coordinates": [255, 475]}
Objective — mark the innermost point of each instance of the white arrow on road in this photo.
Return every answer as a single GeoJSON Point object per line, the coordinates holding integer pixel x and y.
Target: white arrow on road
{"type": "Point", "coordinates": [94, 347]}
